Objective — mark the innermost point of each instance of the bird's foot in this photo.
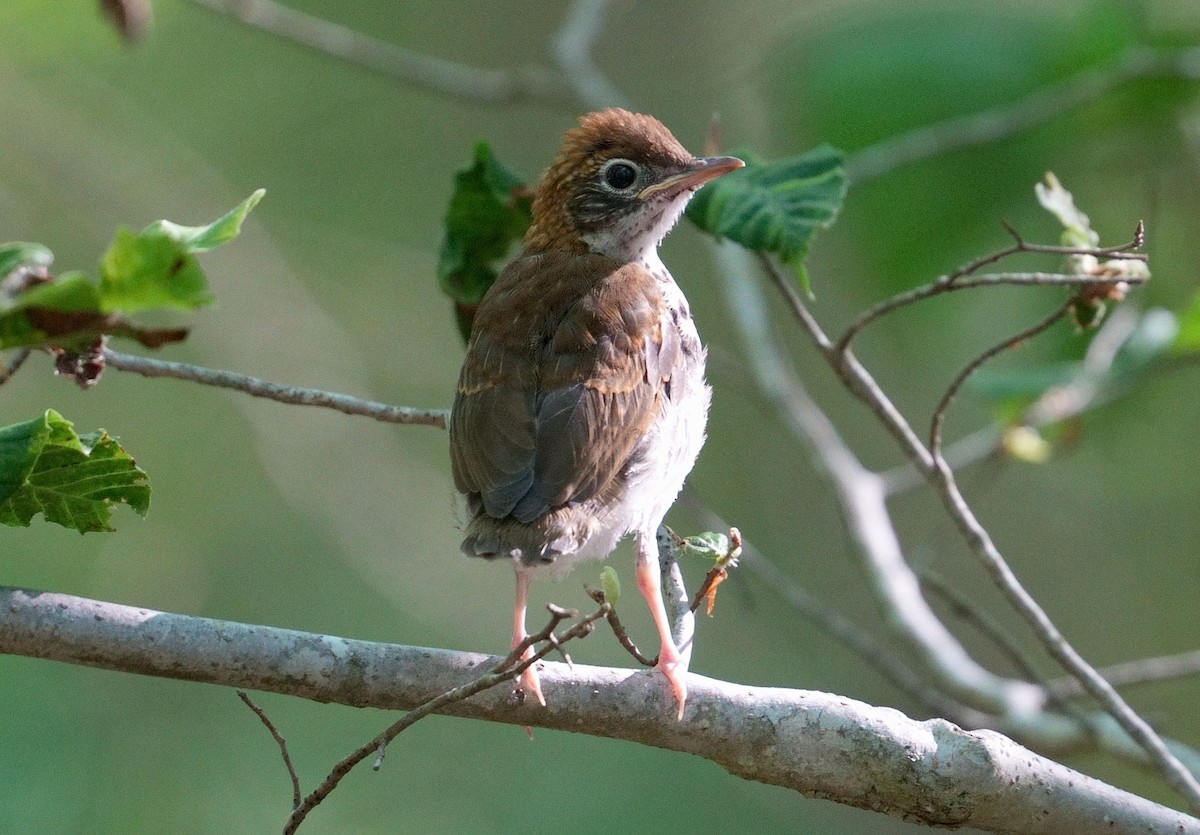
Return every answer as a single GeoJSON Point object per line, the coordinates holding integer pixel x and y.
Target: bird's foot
{"type": "Point", "coordinates": [530, 681]}
{"type": "Point", "coordinates": [672, 665]}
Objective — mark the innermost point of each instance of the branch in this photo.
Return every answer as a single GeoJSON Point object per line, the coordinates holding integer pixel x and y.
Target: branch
{"type": "Point", "coordinates": [13, 364]}
{"type": "Point", "coordinates": [863, 503]}
{"type": "Point", "coordinates": [507, 669]}
{"type": "Point", "coordinates": [533, 83]}
{"type": "Point", "coordinates": [280, 741]}
{"type": "Point", "coordinates": [860, 383]}
{"type": "Point", "coordinates": [964, 277]}
{"type": "Point", "coordinates": [572, 48]}
{"type": "Point", "coordinates": [274, 391]}
{"type": "Point", "coordinates": [814, 743]}
{"type": "Point", "coordinates": [1042, 105]}
{"type": "Point", "coordinates": [1140, 671]}
{"type": "Point", "coordinates": [939, 413]}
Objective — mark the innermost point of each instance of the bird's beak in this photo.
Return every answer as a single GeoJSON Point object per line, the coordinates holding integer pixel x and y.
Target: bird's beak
{"type": "Point", "coordinates": [695, 175]}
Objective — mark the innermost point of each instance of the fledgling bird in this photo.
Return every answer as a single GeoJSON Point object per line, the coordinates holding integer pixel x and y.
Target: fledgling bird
{"type": "Point", "coordinates": [582, 403]}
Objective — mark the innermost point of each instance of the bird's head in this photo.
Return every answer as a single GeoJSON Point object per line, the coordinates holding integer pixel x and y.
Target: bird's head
{"type": "Point", "coordinates": [618, 185]}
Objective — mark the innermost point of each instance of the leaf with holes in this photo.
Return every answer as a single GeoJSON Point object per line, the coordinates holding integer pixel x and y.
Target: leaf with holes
{"type": "Point", "coordinates": [73, 480]}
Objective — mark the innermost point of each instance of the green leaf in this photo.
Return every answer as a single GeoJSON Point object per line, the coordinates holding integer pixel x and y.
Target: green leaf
{"type": "Point", "coordinates": [611, 583]}
{"type": "Point", "coordinates": [16, 254]}
{"type": "Point", "coordinates": [155, 268]}
{"type": "Point", "coordinates": [774, 206]}
{"type": "Point", "coordinates": [711, 545]}
{"type": "Point", "coordinates": [204, 238]}
{"type": "Point", "coordinates": [489, 211]}
{"type": "Point", "coordinates": [149, 270]}
{"type": "Point", "coordinates": [45, 467]}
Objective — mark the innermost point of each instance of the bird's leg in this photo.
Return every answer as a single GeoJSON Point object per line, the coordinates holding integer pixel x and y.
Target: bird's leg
{"type": "Point", "coordinates": [670, 662]}
{"type": "Point", "coordinates": [529, 678]}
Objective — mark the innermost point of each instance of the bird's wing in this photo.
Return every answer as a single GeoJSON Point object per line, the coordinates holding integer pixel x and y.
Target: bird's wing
{"type": "Point", "coordinates": [561, 380]}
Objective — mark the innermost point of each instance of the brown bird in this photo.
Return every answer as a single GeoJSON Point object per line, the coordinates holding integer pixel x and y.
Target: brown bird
{"type": "Point", "coordinates": [582, 403]}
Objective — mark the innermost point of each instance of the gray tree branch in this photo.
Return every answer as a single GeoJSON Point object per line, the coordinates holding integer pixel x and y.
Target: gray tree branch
{"type": "Point", "coordinates": [818, 744]}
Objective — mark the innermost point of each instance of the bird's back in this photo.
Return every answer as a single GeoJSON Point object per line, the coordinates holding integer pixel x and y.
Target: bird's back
{"type": "Point", "coordinates": [580, 407]}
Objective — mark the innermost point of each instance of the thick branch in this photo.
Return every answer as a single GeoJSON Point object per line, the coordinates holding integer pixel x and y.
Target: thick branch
{"type": "Point", "coordinates": [815, 743]}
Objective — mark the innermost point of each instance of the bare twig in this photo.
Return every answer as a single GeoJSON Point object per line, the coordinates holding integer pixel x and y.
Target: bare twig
{"type": "Point", "coordinates": [884, 660]}
{"type": "Point", "coordinates": [507, 669]}
{"type": "Point", "coordinates": [621, 633]}
{"type": "Point", "coordinates": [1140, 671]}
{"type": "Point", "coordinates": [406, 65]}
{"type": "Point", "coordinates": [997, 123]}
{"type": "Point", "coordinates": [675, 596]}
{"type": "Point", "coordinates": [939, 413]}
{"type": "Point", "coordinates": [863, 505]}
{"type": "Point", "coordinates": [280, 741]}
{"type": "Point", "coordinates": [990, 629]}
{"type": "Point", "coordinates": [859, 382]}
{"type": "Point", "coordinates": [1055, 642]}
{"type": "Point", "coordinates": [964, 277]}
{"type": "Point", "coordinates": [13, 364]}
{"type": "Point", "coordinates": [964, 609]}
{"type": "Point", "coordinates": [275, 391]}
{"type": "Point", "coordinates": [573, 47]}
{"type": "Point", "coordinates": [1087, 390]}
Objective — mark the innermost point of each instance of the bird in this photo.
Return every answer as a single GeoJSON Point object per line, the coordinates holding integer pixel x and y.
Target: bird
{"type": "Point", "coordinates": [581, 405]}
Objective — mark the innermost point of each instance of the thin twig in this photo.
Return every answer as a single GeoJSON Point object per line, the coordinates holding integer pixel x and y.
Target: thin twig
{"type": "Point", "coordinates": [620, 632]}
{"type": "Point", "coordinates": [884, 660]}
{"type": "Point", "coordinates": [14, 363]}
{"type": "Point", "coordinates": [1139, 671]}
{"type": "Point", "coordinates": [972, 614]}
{"type": "Point", "coordinates": [536, 83]}
{"type": "Point", "coordinates": [994, 124]}
{"type": "Point", "coordinates": [274, 391]}
{"type": "Point", "coordinates": [860, 383]}
{"type": "Point", "coordinates": [507, 669]}
{"type": "Point", "coordinates": [964, 278]}
{"type": "Point", "coordinates": [939, 414]}
{"type": "Point", "coordinates": [675, 596]}
{"type": "Point", "coordinates": [280, 741]}
{"type": "Point", "coordinates": [1055, 642]}
{"type": "Point", "coordinates": [1086, 390]}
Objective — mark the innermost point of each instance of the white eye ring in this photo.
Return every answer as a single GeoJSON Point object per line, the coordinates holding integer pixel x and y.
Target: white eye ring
{"type": "Point", "coordinates": [619, 174]}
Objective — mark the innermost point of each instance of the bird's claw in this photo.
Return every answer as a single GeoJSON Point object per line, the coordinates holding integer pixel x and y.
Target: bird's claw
{"type": "Point", "coordinates": [530, 681]}
{"type": "Point", "coordinates": [672, 665]}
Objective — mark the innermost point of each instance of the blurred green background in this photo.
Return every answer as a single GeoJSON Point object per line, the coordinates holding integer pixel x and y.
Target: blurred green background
{"type": "Point", "coordinates": [298, 518]}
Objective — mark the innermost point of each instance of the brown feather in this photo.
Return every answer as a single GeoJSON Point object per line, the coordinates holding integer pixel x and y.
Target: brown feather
{"type": "Point", "coordinates": [560, 381]}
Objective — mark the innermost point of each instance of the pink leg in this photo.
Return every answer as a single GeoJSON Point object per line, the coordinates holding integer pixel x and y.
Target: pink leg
{"type": "Point", "coordinates": [670, 662]}
{"type": "Point", "coordinates": [529, 679]}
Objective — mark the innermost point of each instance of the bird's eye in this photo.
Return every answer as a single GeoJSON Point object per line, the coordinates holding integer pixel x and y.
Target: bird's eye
{"type": "Point", "coordinates": [620, 175]}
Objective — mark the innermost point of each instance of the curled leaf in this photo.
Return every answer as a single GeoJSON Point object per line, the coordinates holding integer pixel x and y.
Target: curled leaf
{"type": "Point", "coordinates": [611, 584]}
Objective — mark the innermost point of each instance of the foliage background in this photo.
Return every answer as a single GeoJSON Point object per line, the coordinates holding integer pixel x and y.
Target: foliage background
{"type": "Point", "coordinates": [297, 518]}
